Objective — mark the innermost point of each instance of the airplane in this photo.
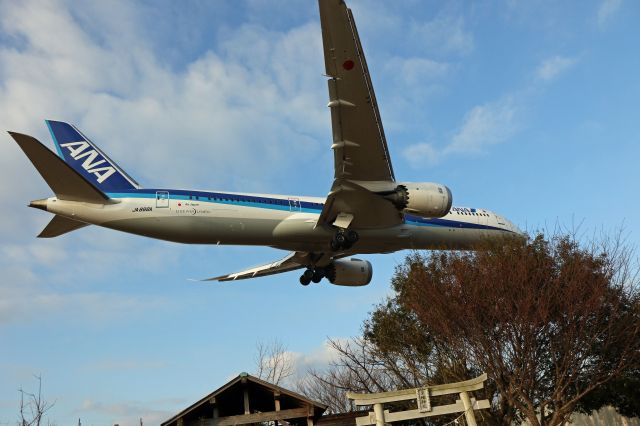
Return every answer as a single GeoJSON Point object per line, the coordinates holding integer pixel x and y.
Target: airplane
{"type": "Point", "coordinates": [366, 211]}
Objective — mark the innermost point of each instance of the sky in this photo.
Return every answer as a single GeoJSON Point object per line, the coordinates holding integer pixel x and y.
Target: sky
{"type": "Point", "coordinates": [526, 108]}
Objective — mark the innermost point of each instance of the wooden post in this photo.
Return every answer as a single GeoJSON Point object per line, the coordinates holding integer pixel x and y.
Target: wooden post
{"type": "Point", "coordinates": [246, 400]}
{"type": "Point", "coordinates": [468, 409]}
{"type": "Point", "coordinates": [276, 396]}
{"type": "Point", "coordinates": [310, 414]}
{"type": "Point", "coordinates": [377, 408]}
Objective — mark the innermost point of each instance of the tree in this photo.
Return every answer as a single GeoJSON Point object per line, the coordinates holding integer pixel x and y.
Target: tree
{"type": "Point", "coordinates": [623, 393]}
{"type": "Point", "coordinates": [274, 363]}
{"type": "Point", "coordinates": [33, 406]}
{"type": "Point", "coordinates": [550, 321]}
{"type": "Point", "coordinates": [358, 368]}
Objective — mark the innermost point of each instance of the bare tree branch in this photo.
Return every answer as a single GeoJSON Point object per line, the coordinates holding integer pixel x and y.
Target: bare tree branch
{"type": "Point", "coordinates": [33, 406]}
{"type": "Point", "coordinates": [274, 363]}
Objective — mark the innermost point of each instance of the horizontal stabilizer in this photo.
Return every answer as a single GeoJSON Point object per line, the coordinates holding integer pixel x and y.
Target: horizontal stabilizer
{"type": "Point", "coordinates": [65, 182]}
{"type": "Point", "coordinates": [60, 225]}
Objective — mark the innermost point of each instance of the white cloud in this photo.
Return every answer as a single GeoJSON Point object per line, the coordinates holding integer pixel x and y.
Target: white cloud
{"type": "Point", "coordinates": [485, 125]}
{"type": "Point", "coordinates": [120, 365]}
{"type": "Point", "coordinates": [445, 34]}
{"type": "Point", "coordinates": [316, 359]}
{"type": "Point", "coordinates": [552, 67]}
{"type": "Point", "coordinates": [130, 413]}
{"type": "Point", "coordinates": [607, 9]}
{"type": "Point", "coordinates": [23, 298]}
{"type": "Point", "coordinates": [41, 277]}
{"type": "Point", "coordinates": [420, 155]}
{"type": "Point", "coordinates": [417, 70]}
{"type": "Point", "coordinates": [236, 107]}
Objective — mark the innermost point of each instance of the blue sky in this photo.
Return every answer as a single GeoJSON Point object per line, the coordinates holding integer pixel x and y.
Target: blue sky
{"type": "Point", "coordinates": [529, 109]}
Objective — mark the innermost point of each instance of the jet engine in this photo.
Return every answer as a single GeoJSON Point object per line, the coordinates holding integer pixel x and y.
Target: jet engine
{"type": "Point", "coordinates": [421, 198]}
{"type": "Point", "coordinates": [349, 272]}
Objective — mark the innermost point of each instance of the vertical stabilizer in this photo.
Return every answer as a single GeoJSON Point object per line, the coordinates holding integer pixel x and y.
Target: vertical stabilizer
{"type": "Point", "coordinates": [65, 182]}
{"type": "Point", "coordinates": [87, 159]}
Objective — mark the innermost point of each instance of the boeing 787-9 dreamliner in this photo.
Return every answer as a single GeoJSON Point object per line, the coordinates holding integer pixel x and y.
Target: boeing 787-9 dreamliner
{"type": "Point", "coordinates": [366, 211]}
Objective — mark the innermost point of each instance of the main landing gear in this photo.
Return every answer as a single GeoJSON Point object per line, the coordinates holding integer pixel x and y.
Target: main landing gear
{"type": "Point", "coordinates": [344, 239]}
{"type": "Point", "coordinates": [316, 275]}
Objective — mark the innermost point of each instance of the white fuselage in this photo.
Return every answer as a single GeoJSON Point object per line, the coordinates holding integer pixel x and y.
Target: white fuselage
{"type": "Point", "coordinates": [285, 222]}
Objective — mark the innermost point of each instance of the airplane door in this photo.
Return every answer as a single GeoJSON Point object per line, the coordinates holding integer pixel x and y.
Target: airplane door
{"type": "Point", "coordinates": [294, 204]}
{"type": "Point", "coordinates": [162, 199]}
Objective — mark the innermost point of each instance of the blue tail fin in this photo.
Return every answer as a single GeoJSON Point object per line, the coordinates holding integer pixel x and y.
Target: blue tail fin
{"type": "Point", "coordinates": [87, 159]}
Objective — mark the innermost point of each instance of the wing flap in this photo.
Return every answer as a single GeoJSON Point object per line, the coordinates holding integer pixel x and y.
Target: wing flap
{"type": "Point", "coordinates": [291, 262]}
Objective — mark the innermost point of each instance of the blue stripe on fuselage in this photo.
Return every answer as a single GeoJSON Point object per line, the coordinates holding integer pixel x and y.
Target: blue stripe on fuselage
{"type": "Point", "coordinates": [422, 221]}
{"type": "Point", "coordinates": [224, 198]}
{"type": "Point", "coordinates": [283, 204]}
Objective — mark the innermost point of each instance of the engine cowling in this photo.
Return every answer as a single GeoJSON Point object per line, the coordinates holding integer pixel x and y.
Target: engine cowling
{"type": "Point", "coordinates": [349, 272]}
{"type": "Point", "coordinates": [423, 198]}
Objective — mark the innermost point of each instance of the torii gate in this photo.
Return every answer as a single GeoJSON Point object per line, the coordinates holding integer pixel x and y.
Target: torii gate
{"type": "Point", "coordinates": [422, 396]}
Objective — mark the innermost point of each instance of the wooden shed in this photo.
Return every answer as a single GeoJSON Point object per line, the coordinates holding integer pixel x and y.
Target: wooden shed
{"type": "Point", "coordinates": [246, 400]}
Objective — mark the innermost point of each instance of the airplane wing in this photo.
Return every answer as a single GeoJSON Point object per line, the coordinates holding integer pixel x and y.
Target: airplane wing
{"type": "Point", "coordinates": [360, 147]}
{"type": "Point", "coordinates": [291, 262]}
{"type": "Point", "coordinates": [294, 260]}
{"type": "Point", "coordinates": [359, 144]}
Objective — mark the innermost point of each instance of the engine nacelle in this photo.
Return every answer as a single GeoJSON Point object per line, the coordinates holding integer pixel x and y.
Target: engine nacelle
{"type": "Point", "coordinates": [349, 272]}
{"type": "Point", "coordinates": [421, 198]}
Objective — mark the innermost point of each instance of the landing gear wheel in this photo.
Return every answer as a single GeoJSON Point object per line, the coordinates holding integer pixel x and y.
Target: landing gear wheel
{"type": "Point", "coordinates": [304, 280]}
{"type": "Point", "coordinates": [318, 275]}
{"type": "Point", "coordinates": [344, 239]}
{"type": "Point", "coordinates": [306, 277]}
